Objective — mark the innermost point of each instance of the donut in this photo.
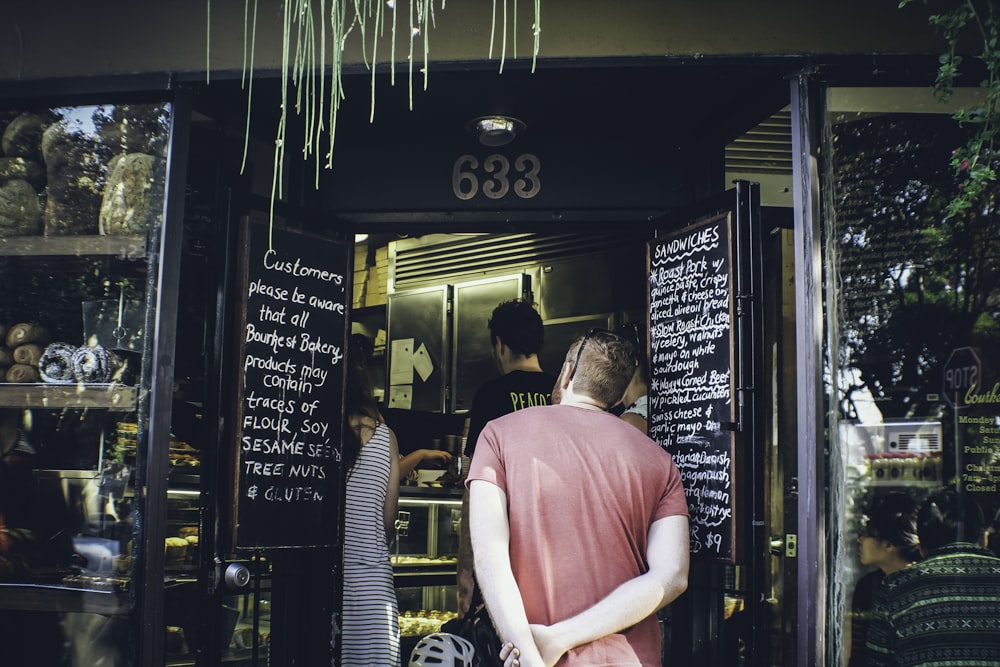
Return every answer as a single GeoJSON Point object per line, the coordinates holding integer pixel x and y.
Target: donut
{"type": "Point", "coordinates": [94, 364]}
{"type": "Point", "coordinates": [56, 363]}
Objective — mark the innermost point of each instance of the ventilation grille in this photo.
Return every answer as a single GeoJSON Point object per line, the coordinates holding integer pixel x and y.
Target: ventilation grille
{"type": "Point", "coordinates": [419, 264]}
{"type": "Point", "coordinates": [766, 149]}
{"type": "Point", "coordinates": [924, 441]}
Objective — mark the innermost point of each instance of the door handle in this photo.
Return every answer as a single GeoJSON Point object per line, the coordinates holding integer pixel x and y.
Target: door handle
{"type": "Point", "coordinates": [237, 576]}
{"type": "Point", "coordinates": [787, 545]}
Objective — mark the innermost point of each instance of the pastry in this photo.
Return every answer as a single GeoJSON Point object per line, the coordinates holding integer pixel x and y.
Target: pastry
{"type": "Point", "coordinates": [121, 564]}
{"type": "Point", "coordinates": [22, 373]}
{"type": "Point", "coordinates": [56, 364]}
{"type": "Point", "coordinates": [94, 364]}
{"type": "Point", "coordinates": [29, 353]}
{"type": "Point", "coordinates": [27, 332]}
{"type": "Point", "coordinates": [187, 531]}
{"type": "Point", "coordinates": [176, 548]}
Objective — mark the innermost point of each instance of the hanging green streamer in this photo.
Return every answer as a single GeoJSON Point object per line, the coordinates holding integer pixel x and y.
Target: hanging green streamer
{"type": "Point", "coordinates": [248, 78]}
{"type": "Point", "coordinates": [208, 40]}
{"type": "Point", "coordinates": [304, 63]}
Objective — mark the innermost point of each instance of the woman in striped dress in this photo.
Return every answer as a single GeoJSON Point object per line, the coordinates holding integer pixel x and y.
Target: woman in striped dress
{"type": "Point", "coordinates": [370, 616]}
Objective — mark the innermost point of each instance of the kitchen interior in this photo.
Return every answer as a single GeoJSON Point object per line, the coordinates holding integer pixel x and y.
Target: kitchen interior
{"type": "Point", "coordinates": [443, 289]}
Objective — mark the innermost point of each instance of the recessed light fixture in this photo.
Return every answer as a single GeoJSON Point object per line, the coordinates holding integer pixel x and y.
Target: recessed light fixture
{"type": "Point", "coordinates": [495, 130]}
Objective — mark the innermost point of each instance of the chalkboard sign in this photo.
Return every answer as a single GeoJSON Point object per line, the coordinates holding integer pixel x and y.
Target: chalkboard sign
{"type": "Point", "coordinates": [287, 490]}
{"type": "Point", "coordinates": [691, 389]}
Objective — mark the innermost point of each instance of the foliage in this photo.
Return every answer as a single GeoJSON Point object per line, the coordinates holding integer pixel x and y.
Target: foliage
{"type": "Point", "coordinates": [313, 41]}
{"type": "Point", "coordinates": [914, 283]}
{"type": "Point", "coordinates": [972, 162]}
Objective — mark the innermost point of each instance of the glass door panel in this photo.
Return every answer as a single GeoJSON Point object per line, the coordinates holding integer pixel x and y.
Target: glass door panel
{"type": "Point", "coordinates": [912, 324]}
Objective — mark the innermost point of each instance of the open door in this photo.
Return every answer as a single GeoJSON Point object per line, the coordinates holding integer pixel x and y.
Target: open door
{"type": "Point", "coordinates": [268, 568]}
{"type": "Point", "coordinates": [711, 401]}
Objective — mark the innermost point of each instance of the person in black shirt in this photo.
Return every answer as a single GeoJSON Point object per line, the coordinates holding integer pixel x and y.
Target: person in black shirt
{"type": "Point", "coordinates": [516, 337]}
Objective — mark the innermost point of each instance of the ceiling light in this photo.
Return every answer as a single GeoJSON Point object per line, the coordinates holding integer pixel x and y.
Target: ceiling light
{"type": "Point", "coordinates": [358, 238]}
{"type": "Point", "coordinates": [495, 130]}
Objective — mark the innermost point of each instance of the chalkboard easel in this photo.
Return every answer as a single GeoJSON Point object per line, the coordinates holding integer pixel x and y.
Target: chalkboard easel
{"type": "Point", "coordinates": [692, 409]}
{"type": "Point", "coordinates": [286, 476]}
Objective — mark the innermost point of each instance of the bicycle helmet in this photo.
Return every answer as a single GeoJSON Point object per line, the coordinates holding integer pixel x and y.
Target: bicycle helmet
{"type": "Point", "coordinates": [442, 649]}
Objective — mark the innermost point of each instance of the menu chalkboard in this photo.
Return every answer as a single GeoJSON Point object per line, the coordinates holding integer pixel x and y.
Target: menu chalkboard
{"type": "Point", "coordinates": [691, 389]}
{"type": "Point", "coordinates": [290, 390]}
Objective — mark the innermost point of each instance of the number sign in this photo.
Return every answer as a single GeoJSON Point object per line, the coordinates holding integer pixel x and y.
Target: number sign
{"type": "Point", "coordinates": [496, 178]}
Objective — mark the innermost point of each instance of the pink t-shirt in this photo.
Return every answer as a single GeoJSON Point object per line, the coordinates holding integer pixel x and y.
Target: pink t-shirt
{"type": "Point", "coordinates": [582, 489]}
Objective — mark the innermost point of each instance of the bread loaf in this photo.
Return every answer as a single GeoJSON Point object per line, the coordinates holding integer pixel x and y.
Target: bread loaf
{"type": "Point", "coordinates": [27, 332]}
{"type": "Point", "coordinates": [29, 354]}
{"type": "Point", "coordinates": [176, 548]}
{"type": "Point", "coordinates": [22, 373]}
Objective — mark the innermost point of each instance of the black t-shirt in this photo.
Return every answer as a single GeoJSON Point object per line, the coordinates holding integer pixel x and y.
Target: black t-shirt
{"type": "Point", "coordinates": [506, 394]}
{"type": "Point", "coordinates": [861, 610]}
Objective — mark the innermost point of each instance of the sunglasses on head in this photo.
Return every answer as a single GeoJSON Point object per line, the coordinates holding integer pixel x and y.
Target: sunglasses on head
{"type": "Point", "coordinates": [622, 334]}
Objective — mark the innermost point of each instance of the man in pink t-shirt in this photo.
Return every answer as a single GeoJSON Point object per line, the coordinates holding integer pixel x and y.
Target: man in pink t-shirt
{"type": "Point", "coordinates": [578, 520]}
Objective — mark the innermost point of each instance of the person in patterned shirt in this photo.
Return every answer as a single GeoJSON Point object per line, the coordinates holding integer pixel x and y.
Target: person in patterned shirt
{"type": "Point", "coordinates": [888, 540]}
{"type": "Point", "coordinates": [944, 610]}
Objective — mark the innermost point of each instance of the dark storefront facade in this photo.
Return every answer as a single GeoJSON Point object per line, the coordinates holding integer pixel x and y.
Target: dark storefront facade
{"type": "Point", "coordinates": [810, 136]}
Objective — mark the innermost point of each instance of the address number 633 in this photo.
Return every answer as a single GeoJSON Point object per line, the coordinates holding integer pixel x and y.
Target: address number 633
{"type": "Point", "coordinates": [495, 178]}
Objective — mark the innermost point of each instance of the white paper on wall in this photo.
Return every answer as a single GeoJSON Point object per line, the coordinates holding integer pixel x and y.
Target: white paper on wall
{"type": "Point", "coordinates": [401, 362]}
{"type": "Point", "coordinates": [422, 362]}
{"type": "Point", "coordinates": [401, 396]}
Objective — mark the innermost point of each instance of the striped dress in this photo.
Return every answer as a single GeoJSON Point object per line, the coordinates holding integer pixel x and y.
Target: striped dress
{"type": "Point", "coordinates": [370, 620]}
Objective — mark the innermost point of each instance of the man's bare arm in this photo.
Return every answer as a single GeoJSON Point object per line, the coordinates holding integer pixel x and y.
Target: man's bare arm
{"type": "Point", "coordinates": [668, 556]}
{"type": "Point", "coordinates": [489, 527]}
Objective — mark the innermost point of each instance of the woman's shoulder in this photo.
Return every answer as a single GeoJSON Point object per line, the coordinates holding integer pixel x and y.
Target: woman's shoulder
{"type": "Point", "coordinates": [364, 425]}
{"type": "Point", "coordinates": [358, 421]}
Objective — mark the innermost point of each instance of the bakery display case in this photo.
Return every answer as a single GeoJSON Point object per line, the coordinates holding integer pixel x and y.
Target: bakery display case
{"type": "Point", "coordinates": [425, 558]}
{"type": "Point", "coordinates": [83, 193]}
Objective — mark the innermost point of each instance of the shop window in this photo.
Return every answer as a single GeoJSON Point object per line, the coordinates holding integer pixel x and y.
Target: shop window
{"type": "Point", "coordinates": [912, 312]}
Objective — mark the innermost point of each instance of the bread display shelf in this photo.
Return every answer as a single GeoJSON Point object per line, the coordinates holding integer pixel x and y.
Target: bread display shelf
{"type": "Point", "coordinates": [241, 656]}
{"type": "Point", "coordinates": [423, 562]}
{"type": "Point", "coordinates": [426, 577]}
{"type": "Point", "coordinates": [421, 571]}
{"type": "Point", "coordinates": [126, 247]}
{"type": "Point", "coordinates": [55, 597]}
{"type": "Point", "coordinates": [117, 397]}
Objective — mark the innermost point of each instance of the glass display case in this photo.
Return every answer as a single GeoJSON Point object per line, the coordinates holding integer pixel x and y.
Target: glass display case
{"type": "Point", "coordinates": [82, 193]}
{"type": "Point", "coordinates": [425, 559]}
